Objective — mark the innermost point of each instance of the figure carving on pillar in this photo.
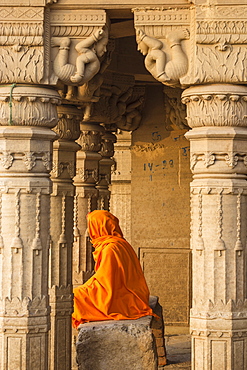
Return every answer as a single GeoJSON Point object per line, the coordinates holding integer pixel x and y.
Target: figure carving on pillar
{"type": "Point", "coordinates": [167, 72]}
{"type": "Point", "coordinates": [132, 117]}
{"type": "Point", "coordinates": [90, 91]}
{"type": "Point", "coordinates": [120, 108]}
{"type": "Point", "coordinates": [87, 63]}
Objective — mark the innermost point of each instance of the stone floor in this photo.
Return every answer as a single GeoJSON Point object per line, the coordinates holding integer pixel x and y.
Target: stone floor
{"type": "Point", "coordinates": [178, 348]}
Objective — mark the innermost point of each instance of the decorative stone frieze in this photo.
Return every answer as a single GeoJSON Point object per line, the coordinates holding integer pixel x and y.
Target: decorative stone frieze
{"type": "Point", "coordinates": [62, 202]}
{"type": "Point", "coordinates": [29, 106]}
{"type": "Point", "coordinates": [208, 105]}
{"type": "Point", "coordinates": [218, 37]}
{"type": "Point", "coordinates": [24, 40]}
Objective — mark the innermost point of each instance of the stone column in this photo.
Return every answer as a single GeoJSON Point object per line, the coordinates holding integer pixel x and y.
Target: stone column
{"type": "Point", "coordinates": [121, 183]}
{"type": "Point", "coordinates": [105, 168]}
{"type": "Point", "coordinates": [217, 115]}
{"type": "Point", "coordinates": [62, 200]}
{"type": "Point", "coordinates": [204, 46]}
{"type": "Point", "coordinates": [27, 114]}
{"type": "Point", "coordinates": [87, 174]}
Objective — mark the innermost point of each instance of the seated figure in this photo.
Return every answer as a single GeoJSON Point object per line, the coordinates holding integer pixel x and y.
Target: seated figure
{"type": "Point", "coordinates": [118, 289]}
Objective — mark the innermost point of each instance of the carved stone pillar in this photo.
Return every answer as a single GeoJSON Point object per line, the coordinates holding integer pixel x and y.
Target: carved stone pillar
{"type": "Point", "coordinates": [105, 168]}
{"type": "Point", "coordinates": [218, 141]}
{"type": "Point", "coordinates": [62, 202]}
{"type": "Point", "coordinates": [27, 114]}
{"type": "Point", "coordinates": [205, 45]}
{"type": "Point", "coordinates": [121, 183]}
{"type": "Point", "coordinates": [87, 175]}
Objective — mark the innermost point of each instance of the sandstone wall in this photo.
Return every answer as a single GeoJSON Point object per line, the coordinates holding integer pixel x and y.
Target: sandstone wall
{"type": "Point", "coordinates": [160, 204]}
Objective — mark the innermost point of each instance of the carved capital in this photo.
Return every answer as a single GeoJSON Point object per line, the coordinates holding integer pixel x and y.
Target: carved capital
{"type": "Point", "coordinates": [107, 149]}
{"type": "Point", "coordinates": [216, 105]}
{"type": "Point", "coordinates": [90, 138]}
{"type": "Point", "coordinates": [68, 126]}
{"type": "Point", "coordinates": [28, 106]}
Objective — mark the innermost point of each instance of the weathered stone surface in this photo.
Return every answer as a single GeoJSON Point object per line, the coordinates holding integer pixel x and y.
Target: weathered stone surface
{"type": "Point", "coordinates": [124, 344]}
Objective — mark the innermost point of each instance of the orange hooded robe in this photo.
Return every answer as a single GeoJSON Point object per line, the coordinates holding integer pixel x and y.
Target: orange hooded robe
{"type": "Point", "coordinates": [118, 289]}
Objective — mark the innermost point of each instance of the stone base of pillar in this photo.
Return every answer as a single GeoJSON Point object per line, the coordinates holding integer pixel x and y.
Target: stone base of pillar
{"type": "Point", "coordinates": [221, 343]}
{"type": "Point", "coordinates": [24, 337]}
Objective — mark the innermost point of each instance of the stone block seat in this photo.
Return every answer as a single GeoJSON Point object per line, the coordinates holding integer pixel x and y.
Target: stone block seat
{"type": "Point", "coordinates": [123, 344]}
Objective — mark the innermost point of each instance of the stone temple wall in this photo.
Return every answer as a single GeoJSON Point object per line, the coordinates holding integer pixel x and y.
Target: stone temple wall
{"type": "Point", "coordinates": [161, 208]}
{"type": "Point", "coordinates": [153, 183]}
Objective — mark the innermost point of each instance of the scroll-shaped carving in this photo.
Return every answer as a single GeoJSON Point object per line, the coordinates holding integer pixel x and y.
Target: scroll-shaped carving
{"type": "Point", "coordinates": [156, 59]}
{"type": "Point", "coordinates": [87, 63]}
{"type": "Point", "coordinates": [208, 159]}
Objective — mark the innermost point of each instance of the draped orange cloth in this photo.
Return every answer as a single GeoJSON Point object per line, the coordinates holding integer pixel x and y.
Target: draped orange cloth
{"type": "Point", "coordinates": [118, 289]}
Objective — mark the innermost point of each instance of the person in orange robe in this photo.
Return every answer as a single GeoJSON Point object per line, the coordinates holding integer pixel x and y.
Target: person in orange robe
{"type": "Point", "coordinates": [118, 289]}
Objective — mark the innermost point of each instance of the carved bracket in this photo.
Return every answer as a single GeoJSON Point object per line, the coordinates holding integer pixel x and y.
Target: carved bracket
{"type": "Point", "coordinates": [161, 39]}
{"type": "Point", "coordinates": [195, 44]}
{"type": "Point", "coordinates": [120, 105]}
{"type": "Point", "coordinates": [79, 39]}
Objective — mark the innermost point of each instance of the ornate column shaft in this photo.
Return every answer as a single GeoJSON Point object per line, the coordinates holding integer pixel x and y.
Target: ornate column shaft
{"type": "Point", "coordinates": [121, 183]}
{"type": "Point", "coordinates": [27, 113]}
{"type": "Point", "coordinates": [218, 142]}
{"type": "Point", "coordinates": [62, 202]}
{"type": "Point", "coordinates": [105, 168]}
{"type": "Point", "coordinates": [87, 174]}
{"type": "Point", "coordinates": [196, 45]}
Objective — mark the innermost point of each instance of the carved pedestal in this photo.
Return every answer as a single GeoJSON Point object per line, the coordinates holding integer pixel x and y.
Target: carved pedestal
{"type": "Point", "coordinates": [62, 202]}
{"type": "Point", "coordinates": [217, 115]}
{"type": "Point", "coordinates": [25, 187]}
